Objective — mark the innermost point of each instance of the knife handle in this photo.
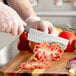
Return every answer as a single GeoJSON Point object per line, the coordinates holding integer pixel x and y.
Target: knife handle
{"type": "Point", "coordinates": [26, 29]}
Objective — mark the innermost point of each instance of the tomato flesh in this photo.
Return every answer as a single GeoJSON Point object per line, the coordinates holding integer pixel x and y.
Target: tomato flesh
{"type": "Point", "coordinates": [34, 65]}
{"type": "Point", "coordinates": [47, 52]}
{"type": "Point", "coordinates": [43, 53]}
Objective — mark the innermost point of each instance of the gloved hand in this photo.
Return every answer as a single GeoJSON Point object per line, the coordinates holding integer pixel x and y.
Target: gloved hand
{"type": "Point", "coordinates": [10, 21]}
{"type": "Point", "coordinates": [45, 26]}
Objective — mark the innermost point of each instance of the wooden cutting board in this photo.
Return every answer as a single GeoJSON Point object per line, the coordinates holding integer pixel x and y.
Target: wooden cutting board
{"type": "Point", "coordinates": [58, 68]}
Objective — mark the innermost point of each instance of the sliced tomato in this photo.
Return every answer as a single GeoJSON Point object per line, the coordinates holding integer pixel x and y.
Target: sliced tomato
{"type": "Point", "coordinates": [43, 53]}
{"type": "Point", "coordinates": [58, 47]}
{"type": "Point", "coordinates": [70, 36]}
{"type": "Point", "coordinates": [46, 52]}
{"type": "Point", "coordinates": [34, 65]}
{"type": "Point", "coordinates": [27, 65]}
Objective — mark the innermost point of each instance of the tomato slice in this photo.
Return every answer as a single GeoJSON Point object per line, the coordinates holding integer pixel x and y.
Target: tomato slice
{"type": "Point", "coordinates": [46, 52]}
{"type": "Point", "coordinates": [34, 65]}
{"type": "Point", "coordinates": [43, 53]}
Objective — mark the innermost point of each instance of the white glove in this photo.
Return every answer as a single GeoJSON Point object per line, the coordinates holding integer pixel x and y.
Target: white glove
{"type": "Point", "coordinates": [10, 21]}
{"type": "Point", "coordinates": [45, 26]}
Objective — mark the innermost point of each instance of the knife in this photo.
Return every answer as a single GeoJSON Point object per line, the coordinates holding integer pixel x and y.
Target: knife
{"type": "Point", "coordinates": [38, 36]}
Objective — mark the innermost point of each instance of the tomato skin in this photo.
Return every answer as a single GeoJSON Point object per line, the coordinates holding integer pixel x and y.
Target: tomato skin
{"type": "Point", "coordinates": [70, 47]}
{"type": "Point", "coordinates": [23, 43]}
{"type": "Point", "coordinates": [75, 44]}
{"type": "Point", "coordinates": [67, 35]}
{"type": "Point", "coordinates": [23, 37]}
{"type": "Point", "coordinates": [22, 47]}
{"type": "Point", "coordinates": [70, 36]}
{"type": "Point", "coordinates": [75, 34]}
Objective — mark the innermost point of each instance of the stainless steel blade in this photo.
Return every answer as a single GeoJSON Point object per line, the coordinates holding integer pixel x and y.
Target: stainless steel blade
{"type": "Point", "coordinates": [38, 36]}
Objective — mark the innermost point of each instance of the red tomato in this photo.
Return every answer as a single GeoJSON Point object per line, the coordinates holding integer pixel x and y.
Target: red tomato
{"type": "Point", "coordinates": [22, 47]}
{"type": "Point", "coordinates": [23, 42]}
{"type": "Point", "coordinates": [67, 35]}
{"type": "Point", "coordinates": [75, 44]}
{"type": "Point", "coordinates": [34, 65]}
{"type": "Point", "coordinates": [23, 37]}
{"type": "Point", "coordinates": [75, 34]}
{"type": "Point", "coordinates": [70, 36]}
{"type": "Point", "coordinates": [47, 52]}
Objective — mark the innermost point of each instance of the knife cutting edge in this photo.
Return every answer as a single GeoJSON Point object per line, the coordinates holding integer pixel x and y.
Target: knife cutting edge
{"type": "Point", "coordinates": [38, 36]}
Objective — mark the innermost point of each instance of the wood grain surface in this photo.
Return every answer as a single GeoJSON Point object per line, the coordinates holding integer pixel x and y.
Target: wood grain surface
{"type": "Point", "coordinates": [58, 68]}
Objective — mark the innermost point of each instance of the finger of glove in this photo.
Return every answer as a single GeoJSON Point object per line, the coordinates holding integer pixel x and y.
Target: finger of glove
{"type": "Point", "coordinates": [43, 29]}
{"type": "Point", "coordinates": [41, 25]}
{"type": "Point", "coordinates": [21, 27]}
{"type": "Point", "coordinates": [50, 29]}
{"type": "Point", "coordinates": [15, 25]}
{"type": "Point", "coordinates": [53, 31]}
{"type": "Point", "coordinates": [10, 24]}
{"type": "Point", "coordinates": [3, 27]}
{"type": "Point", "coordinates": [3, 23]}
{"type": "Point", "coordinates": [23, 23]}
{"type": "Point", "coordinates": [50, 26]}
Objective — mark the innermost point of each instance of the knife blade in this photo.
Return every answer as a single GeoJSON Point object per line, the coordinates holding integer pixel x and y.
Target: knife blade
{"type": "Point", "coordinates": [38, 36]}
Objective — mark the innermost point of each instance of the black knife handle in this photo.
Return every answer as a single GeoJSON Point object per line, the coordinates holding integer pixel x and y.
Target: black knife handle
{"type": "Point", "coordinates": [5, 1]}
{"type": "Point", "coordinates": [26, 29]}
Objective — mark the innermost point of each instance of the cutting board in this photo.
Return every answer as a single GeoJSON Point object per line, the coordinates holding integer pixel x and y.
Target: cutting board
{"type": "Point", "coordinates": [57, 68]}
